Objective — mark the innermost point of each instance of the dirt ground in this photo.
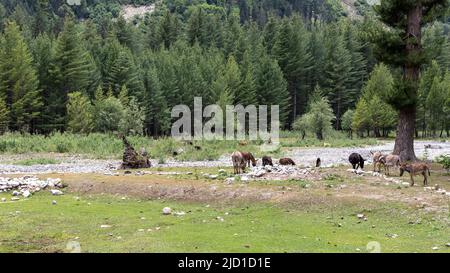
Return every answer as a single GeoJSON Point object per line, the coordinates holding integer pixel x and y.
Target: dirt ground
{"type": "Point", "coordinates": [335, 186]}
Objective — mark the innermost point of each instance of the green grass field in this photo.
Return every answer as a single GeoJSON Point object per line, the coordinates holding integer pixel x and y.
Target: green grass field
{"type": "Point", "coordinates": [35, 225]}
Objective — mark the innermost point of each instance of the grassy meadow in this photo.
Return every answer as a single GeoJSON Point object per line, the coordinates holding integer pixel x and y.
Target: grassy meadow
{"type": "Point", "coordinates": [131, 225]}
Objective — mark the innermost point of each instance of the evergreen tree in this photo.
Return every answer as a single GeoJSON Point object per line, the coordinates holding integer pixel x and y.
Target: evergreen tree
{"type": "Point", "coordinates": [71, 71]}
{"type": "Point", "coordinates": [79, 113]}
{"type": "Point", "coordinates": [18, 81]}
{"type": "Point", "coordinates": [319, 117]}
{"type": "Point", "coordinates": [270, 81]}
{"type": "Point", "coordinates": [291, 51]}
{"type": "Point", "coordinates": [133, 119]}
{"type": "Point", "coordinates": [400, 44]}
{"type": "Point", "coordinates": [4, 116]}
{"type": "Point", "coordinates": [337, 76]}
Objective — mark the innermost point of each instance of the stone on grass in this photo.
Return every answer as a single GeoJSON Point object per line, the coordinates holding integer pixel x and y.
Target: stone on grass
{"type": "Point", "coordinates": [15, 198]}
{"type": "Point", "coordinates": [3, 199]}
{"type": "Point", "coordinates": [56, 192]}
{"type": "Point", "coordinates": [26, 194]}
{"type": "Point", "coordinates": [105, 226]}
{"type": "Point", "coordinates": [54, 202]}
{"type": "Point", "coordinates": [167, 211]}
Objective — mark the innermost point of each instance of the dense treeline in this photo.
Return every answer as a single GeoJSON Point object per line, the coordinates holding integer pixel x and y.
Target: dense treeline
{"type": "Point", "coordinates": [85, 69]}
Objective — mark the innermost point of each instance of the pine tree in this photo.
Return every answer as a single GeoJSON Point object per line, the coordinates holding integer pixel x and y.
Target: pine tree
{"type": "Point", "coordinates": [132, 122]}
{"type": "Point", "coordinates": [426, 82]}
{"type": "Point", "coordinates": [291, 51]}
{"type": "Point", "coordinates": [435, 102]}
{"type": "Point", "coordinates": [337, 76]}
{"type": "Point", "coordinates": [71, 71]}
{"type": "Point", "coordinates": [79, 113]}
{"type": "Point", "coordinates": [4, 116]}
{"type": "Point", "coordinates": [18, 81]}
{"type": "Point", "coordinates": [157, 111]}
{"type": "Point", "coordinates": [400, 44]}
{"type": "Point", "coordinates": [270, 81]}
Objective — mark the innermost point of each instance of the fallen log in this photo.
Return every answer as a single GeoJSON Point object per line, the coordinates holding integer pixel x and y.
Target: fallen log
{"type": "Point", "coordinates": [132, 159]}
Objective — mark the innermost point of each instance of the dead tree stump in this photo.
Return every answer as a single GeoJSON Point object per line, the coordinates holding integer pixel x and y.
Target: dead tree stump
{"type": "Point", "coordinates": [133, 159]}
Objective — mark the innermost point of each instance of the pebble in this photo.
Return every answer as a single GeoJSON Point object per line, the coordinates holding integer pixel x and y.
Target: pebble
{"type": "Point", "coordinates": [105, 226]}
{"type": "Point", "coordinates": [54, 202]}
{"type": "Point", "coordinates": [167, 211]}
{"type": "Point", "coordinates": [3, 199]}
{"type": "Point", "coordinates": [56, 192]}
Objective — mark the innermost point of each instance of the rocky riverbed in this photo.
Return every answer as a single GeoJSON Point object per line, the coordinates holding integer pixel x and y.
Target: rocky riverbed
{"type": "Point", "coordinates": [304, 157]}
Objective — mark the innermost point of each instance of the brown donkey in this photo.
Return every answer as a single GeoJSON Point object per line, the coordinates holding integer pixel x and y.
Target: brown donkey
{"type": "Point", "coordinates": [418, 168]}
{"type": "Point", "coordinates": [249, 158]}
{"type": "Point", "coordinates": [239, 162]}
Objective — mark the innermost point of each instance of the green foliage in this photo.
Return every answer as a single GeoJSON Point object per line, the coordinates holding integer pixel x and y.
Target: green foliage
{"type": "Point", "coordinates": [318, 119]}
{"type": "Point", "coordinates": [445, 161]}
{"type": "Point", "coordinates": [4, 116]}
{"type": "Point", "coordinates": [372, 111]}
{"type": "Point", "coordinates": [79, 113]}
{"type": "Point", "coordinates": [133, 119]}
{"type": "Point", "coordinates": [347, 119]}
{"type": "Point", "coordinates": [18, 80]}
{"type": "Point", "coordinates": [107, 114]}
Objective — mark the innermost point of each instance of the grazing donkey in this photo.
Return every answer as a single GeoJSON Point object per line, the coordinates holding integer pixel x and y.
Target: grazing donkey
{"type": "Point", "coordinates": [389, 161]}
{"type": "Point", "coordinates": [249, 158]}
{"type": "Point", "coordinates": [287, 161]}
{"type": "Point", "coordinates": [416, 169]}
{"type": "Point", "coordinates": [239, 162]}
{"type": "Point", "coordinates": [356, 160]}
{"type": "Point", "coordinates": [267, 160]}
{"type": "Point", "coordinates": [376, 160]}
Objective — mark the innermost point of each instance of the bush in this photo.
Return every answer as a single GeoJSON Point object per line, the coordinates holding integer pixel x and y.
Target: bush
{"type": "Point", "coordinates": [108, 114]}
{"type": "Point", "coordinates": [445, 161]}
{"type": "Point", "coordinates": [318, 120]}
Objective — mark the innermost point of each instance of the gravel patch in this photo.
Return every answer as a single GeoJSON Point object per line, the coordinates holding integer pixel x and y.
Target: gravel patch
{"type": "Point", "coordinates": [303, 157]}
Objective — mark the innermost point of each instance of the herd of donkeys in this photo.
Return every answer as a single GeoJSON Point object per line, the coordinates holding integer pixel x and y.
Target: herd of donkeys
{"type": "Point", "coordinates": [243, 159]}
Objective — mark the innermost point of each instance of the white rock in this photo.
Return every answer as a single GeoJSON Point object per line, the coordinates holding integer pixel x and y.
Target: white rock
{"type": "Point", "coordinates": [360, 216]}
{"type": "Point", "coordinates": [435, 248]}
{"type": "Point", "coordinates": [54, 202]}
{"type": "Point", "coordinates": [105, 226]}
{"type": "Point", "coordinates": [245, 178]}
{"type": "Point", "coordinates": [26, 194]}
{"type": "Point", "coordinates": [15, 198]}
{"type": "Point", "coordinates": [16, 193]}
{"type": "Point", "coordinates": [213, 176]}
{"type": "Point", "coordinates": [56, 192]}
{"type": "Point", "coordinates": [3, 199]}
{"type": "Point", "coordinates": [167, 211]}
{"type": "Point", "coordinates": [222, 171]}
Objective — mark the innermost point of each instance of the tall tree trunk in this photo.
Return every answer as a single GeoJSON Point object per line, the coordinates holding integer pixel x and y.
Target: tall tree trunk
{"type": "Point", "coordinates": [404, 142]}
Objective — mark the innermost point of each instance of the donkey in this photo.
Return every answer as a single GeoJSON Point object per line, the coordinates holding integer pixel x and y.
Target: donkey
{"type": "Point", "coordinates": [376, 160]}
{"type": "Point", "coordinates": [287, 161]}
{"type": "Point", "coordinates": [249, 158]}
{"type": "Point", "coordinates": [416, 169]}
{"type": "Point", "coordinates": [389, 161]}
{"type": "Point", "coordinates": [356, 160]}
{"type": "Point", "coordinates": [239, 162]}
{"type": "Point", "coordinates": [267, 160]}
